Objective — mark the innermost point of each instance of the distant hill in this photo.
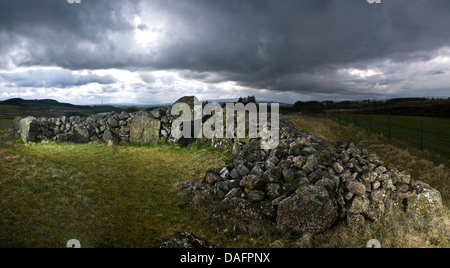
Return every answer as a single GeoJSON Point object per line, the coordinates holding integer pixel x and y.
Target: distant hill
{"type": "Point", "coordinates": [46, 103]}
{"type": "Point", "coordinates": [18, 107]}
{"type": "Point", "coordinates": [12, 108]}
{"type": "Point", "coordinates": [399, 106]}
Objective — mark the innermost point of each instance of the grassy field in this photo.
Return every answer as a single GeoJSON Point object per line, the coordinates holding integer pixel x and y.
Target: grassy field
{"type": "Point", "coordinates": [128, 196]}
{"type": "Point", "coordinates": [436, 138]}
{"type": "Point", "coordinates": [104, 196]}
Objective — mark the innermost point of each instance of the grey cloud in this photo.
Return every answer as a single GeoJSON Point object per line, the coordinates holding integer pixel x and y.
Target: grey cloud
{"type": "Point", "coordinates": [142, 27]}
{"type": "Point", "coordinates": [148, 78]}
{"type": "Point", "coordinates": [287, 45]}
{"type": "Point", "coordinates": [53, 78]}
{"type": "Point", "coordinates": [438, 72]}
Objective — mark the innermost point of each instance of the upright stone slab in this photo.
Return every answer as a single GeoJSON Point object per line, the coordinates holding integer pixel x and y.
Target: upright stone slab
{"type": "Point", "coordinates": [28, 129]}
{"type": "Point", "coordinates": [144, 129]}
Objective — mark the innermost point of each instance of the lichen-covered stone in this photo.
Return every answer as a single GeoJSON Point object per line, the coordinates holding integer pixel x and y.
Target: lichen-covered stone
{"type": "Point", "coordinates": [272, 175]}
{"type": "Point", "coordinates": [239, 209]}
{"type": "Point", "coordinates": [274, 190]}
{"type": "Point", "coordinates": [356, 187]}
{"type": "Point", "coordinates": [359, 205]}
{"type": "Point", "coordinates": [145, 129]}
{"type": "Point", "coordinates": [255, 195]}
{"type": "Point", "coordinates": [309, 209]}
{"type": "Point", "coordinates": [429, 201]}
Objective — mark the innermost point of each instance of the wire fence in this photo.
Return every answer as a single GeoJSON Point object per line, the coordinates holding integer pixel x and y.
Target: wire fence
{"type": "Point", "coordinates": [424, 133]}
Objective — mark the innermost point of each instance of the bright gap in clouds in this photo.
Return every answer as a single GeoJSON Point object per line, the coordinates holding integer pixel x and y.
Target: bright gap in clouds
{"type": "Point", "coordinates": [362, 73]}
{"type": "Point", "coordinates": [143, 35]}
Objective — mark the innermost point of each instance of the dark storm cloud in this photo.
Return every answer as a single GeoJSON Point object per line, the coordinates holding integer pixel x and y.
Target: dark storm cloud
{"type": "Point", "coordinates": [54, 32]}
{"type": "Point", "coordinates": [296, 45]}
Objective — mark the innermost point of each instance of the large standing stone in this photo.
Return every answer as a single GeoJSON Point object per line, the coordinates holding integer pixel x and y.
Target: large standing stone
{"type": "Point", "coordinates": [309, 209]}
{"type": "Point", "coordinates": [28, 129]}
{"type": "Point", "coordinates": [144, 129]}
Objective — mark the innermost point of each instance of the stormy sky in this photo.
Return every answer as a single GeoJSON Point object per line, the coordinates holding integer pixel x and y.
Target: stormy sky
{"type": "Point", "coordinates": [155, 51]}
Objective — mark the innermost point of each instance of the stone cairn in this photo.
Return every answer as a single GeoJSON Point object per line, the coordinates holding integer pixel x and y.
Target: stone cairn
{"type": "Point", "coordinates": [305, 185]}
{"type": "Point", "coordinates": [309, 185]}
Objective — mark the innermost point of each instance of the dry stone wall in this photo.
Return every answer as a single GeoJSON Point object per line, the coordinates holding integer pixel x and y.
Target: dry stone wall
{"type": "Point", "coordinates": [140, 127]}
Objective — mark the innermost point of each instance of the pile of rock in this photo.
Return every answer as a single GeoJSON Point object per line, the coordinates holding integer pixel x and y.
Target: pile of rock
{"type": "Point", "coordinates": [309, 184]}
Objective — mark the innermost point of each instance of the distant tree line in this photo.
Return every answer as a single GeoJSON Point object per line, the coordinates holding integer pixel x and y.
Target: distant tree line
{"type": "Point", "coordinates": [249, 99]}
{"type": "Point", "coordinates": [398, 106]}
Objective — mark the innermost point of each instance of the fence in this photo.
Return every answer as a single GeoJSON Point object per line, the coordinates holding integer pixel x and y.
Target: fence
{"type": "Point", "coordinates": [424, 133]}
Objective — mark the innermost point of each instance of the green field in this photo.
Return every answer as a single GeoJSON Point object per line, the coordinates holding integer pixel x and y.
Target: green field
{"type": "Point", "coordinates": [104, 196]}
{"type": "Point", "coordinates": [407, 129]}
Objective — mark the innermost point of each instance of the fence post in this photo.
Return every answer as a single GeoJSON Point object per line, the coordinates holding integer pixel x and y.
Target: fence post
{"type": "Point", "coordinates": [421, 135]}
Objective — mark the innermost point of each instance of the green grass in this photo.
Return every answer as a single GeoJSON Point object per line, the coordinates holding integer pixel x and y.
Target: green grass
{"type": "Point", "coordinates": [407, 129]}
{"type": "Point", "coordinates": [6, 123]}
{"type": "Point", "coordinates": [118, 196]}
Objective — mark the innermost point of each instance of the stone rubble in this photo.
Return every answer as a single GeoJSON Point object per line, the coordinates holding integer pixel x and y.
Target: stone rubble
{"type": "Point", "coordinates": [308, 184]}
